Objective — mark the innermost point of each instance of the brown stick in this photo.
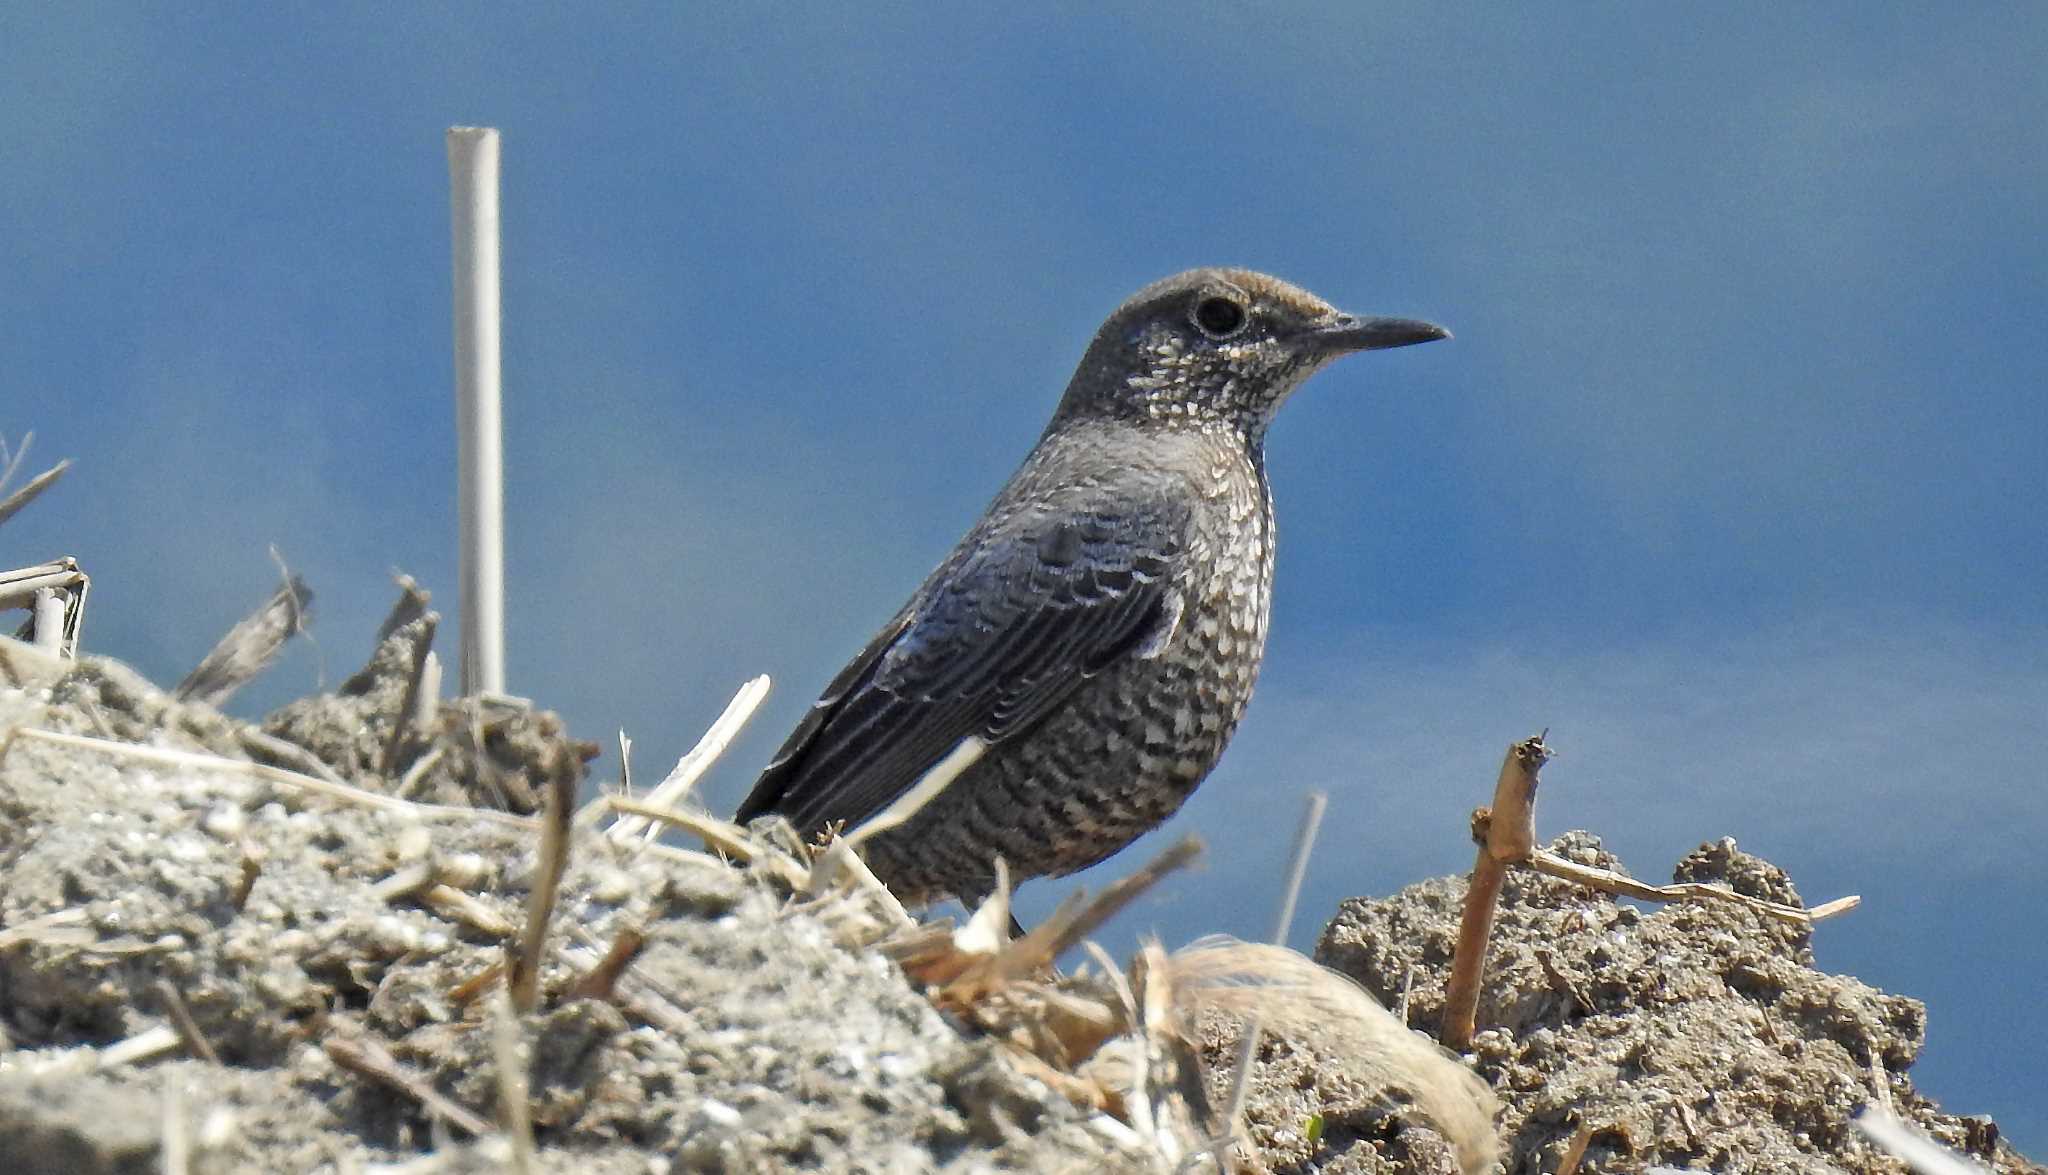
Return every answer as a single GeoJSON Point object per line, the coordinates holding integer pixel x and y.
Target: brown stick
{"type": "Point", "coordinates": [181, 1019]}
{"type": "Point", "coordinates": [601, 982]}
{"type": "Point", "coordinates": [1546, 862]}
{"type": "Point", "coordinates": [524, 981]}
{"type": "Point", "coordinates": [370, 1059]}
{"type": "Point", "coordinates": [1072, 921]}
{"type": "Point", "coordinates": [1575, 1151]}
{"type": "Point", "coordinates": [1507, 833]}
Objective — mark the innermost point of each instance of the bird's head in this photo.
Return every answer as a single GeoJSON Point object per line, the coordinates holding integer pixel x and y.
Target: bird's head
{"type": "Point", "coordinates": [1219, 346]}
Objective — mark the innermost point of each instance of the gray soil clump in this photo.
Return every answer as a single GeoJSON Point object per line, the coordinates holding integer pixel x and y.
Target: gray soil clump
{"type": "Point", "coordinates": [1695, 1036]}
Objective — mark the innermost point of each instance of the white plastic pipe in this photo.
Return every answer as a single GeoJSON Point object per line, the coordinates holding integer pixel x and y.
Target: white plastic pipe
{"type": "Point", "coordinates": [480, 460]}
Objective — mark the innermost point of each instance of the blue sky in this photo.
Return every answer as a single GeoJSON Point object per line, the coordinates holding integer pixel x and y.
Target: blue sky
{"type": "Point", "coordinates": [1732, 477]}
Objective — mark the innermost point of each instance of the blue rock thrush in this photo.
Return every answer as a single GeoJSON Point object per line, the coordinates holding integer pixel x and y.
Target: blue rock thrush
{"type": "Point", "coordinates": [1064, 679]}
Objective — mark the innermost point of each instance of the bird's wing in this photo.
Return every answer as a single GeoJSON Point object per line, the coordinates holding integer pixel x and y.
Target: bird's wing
{"type": "Point", "coordinates": [1025, 610]}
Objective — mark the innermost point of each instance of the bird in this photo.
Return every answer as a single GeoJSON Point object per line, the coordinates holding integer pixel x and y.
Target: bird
{"type": "Point", "coordinates": [1073, 669]}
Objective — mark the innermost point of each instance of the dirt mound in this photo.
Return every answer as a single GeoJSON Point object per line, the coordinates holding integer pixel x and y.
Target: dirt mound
{"type": "Point", "coordinates": [138, 889]}
{"type": "Point", "coordinates": [1695, 1036]}
{"type": "Point", "coordinates": [216, 956]}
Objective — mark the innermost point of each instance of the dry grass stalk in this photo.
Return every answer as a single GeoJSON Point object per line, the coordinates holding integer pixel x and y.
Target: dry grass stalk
{"type": "Point", "coordinates": [625, 767]}
{"type": "Point", "coordinates": [1296, 997]}
{"type": "Point", "coordinates": [47, 621]}
{"type": "Point", "coordinates": [404, 884]}
{"type": "Point", "coordinates": [365, 1057]}
{"type": "Point", "coordinates": [514, 1111]}
{"type": "Point", "coordinates": [1549, 863]}
{"type": "Point", "coordinates": [1075, 919]}
{"type": "Point", "coordinates": [1173, 1094]}
{"type": "Point", "coordinates": [1507, 834]}
{"type": "Point", "coordinates": [18, 587]}
{"type": "Point", "coordinates": [634, 994]}
{"type": "Point", "coordinates": [524, 984]}
{"type": "Point", "coordinates": [413, 602]}
{"type": "Point", "coordinates": [1059, 1030]}
{"type": "Point", "coordinates": [722, 835]}
{"type": "Point", "coordinates": [966, 753]}
{"type": "Point", "coordinates": [988, 928]}
{"type": "Point", "coordinates": [30, 490]}
{"type": "Point", "coordinates": [1913, 1148]}
{"type": "Point", "coordinates": [410, 781]}
{"type": "Point", "coordinates": [146, 1045]}
{"type": "Point", "coordinates": [457, 906]}
{"type": "Point", "coordinates": [1575, 1151]}
{"type": "Point", "coordinates": [671, 791]}
{"type": "Point", "coordinates": [171, 757]}
{"type": "Point", "coordinates": [181, 1018]}
{"type": "Point", "coordinates": [249, 647]}
{"type": "Point", "coordinates": [292, 755]}
{"type": "Point", "coordinates": [601, 981]}
{"type": "Point", "coordinates": [472, 989]}
{"type": "Point", "coordinates": [420, 882]}
{"type": "Point", "coordinates": [68, 927]}
{"type": "Point", "coordinates": [1248, 1040]}
{"type": "Point", "coordinates": [839, 873]}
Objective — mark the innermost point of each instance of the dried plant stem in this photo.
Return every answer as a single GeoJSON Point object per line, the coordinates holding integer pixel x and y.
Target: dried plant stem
{"type": "Point", "coordinates": [150, 1042]}
{"type": "Point", "coordinates": [1575, 1151]}
{"type": "Point", "coordinates": [170, 757]}
{"type": "Point", "coordinates": [249, 647]}
{"type": "Point", "coordinates": [722, 835]}
{"type": "Point", "coordinates": [514, 1113]}
{"type": "Point", "coordinates": [1918, 1151]}
{"type": "Point", "coordinates": [181, 1019]}
{"type": "Point", "coordinates": [1507, 833]}
{"type": "Point", "coordinates": [270, 746]}
{"type": "Point", "coordinates": [1546, 862]}
{"type": "Point", "coordinates": [670, 792]}
{"type": "Point", "coordinates": [1074, 921]}
{"type": "Point", "coordinates": [367, 1058]}
{"type": "Point", "coordinates": [67, 925]}
{"type": "Point", "coordinates": [13, 503]}
{"type": "Point", "coordinates": [1290, 893]}
{"type": "Point", "coordinates": [524, 984]}
{"type": "Point", "coordinates": [602, 980]}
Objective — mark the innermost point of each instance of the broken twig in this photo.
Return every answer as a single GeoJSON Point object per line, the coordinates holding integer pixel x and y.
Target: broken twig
{"type": "Point", "coordinates": [1507, 834]}
{"type": "Point", "coordinates": [249, 647]}
{"type": "Point", "coordinates": [524, 982]}
{"type": "Point", "coordinates": [365, 1057]}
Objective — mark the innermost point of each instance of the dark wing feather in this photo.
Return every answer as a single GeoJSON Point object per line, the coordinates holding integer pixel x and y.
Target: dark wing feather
{"type": "Point", "coordinates": [1025, 610]}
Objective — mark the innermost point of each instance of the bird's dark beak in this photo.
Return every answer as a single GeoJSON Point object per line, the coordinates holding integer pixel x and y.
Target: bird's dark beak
{"type": "Point", "coordinates": [1347, 332]}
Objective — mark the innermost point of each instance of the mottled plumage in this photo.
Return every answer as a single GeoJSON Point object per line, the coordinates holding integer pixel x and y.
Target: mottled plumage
{"type": "Point", "coordinates": [1101, 626]}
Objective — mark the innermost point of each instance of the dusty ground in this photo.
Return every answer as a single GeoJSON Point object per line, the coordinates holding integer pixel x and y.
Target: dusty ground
{"type": "Point", "coordinates": [295, 929]}
{"type": "Point", "coordinates": [1693, 1036]}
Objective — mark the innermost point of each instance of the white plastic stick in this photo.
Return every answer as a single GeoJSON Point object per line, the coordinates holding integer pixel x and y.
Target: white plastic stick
{"type": "Point", "coordinates": [480, 462]}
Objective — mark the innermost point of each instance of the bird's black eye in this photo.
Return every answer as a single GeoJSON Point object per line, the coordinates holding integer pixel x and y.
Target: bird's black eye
{"type": "Point", "coordinates": [1219, 317]}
